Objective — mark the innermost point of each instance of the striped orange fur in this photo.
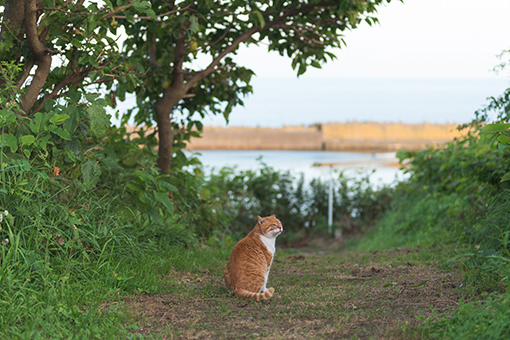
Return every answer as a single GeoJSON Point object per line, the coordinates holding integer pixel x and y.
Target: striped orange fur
{"type": "Point", "coordinates": [248, 267]}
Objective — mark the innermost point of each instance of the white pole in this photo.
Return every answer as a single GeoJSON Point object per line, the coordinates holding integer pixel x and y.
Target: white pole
{"type": "Point", "coordinates": [330, 207]}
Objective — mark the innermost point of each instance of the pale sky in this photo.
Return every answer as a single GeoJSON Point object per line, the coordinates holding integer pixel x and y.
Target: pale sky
{"type": "Point", "coordinates": [417, 38]}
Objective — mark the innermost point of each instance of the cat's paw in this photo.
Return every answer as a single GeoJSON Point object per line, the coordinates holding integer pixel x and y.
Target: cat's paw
{"type": "Point", "coordinates": [271, 290]}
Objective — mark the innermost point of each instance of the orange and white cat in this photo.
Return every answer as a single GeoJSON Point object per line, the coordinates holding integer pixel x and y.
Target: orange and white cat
{"type": "Point", "coordinates": [248, 266]}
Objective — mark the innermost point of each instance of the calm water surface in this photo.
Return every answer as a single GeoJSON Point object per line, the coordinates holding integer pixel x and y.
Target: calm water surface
{"type": "Point", "coordinates": [380, 166]}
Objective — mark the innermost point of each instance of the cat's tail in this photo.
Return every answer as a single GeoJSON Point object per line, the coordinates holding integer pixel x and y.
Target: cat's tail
{"type": "Point", "coordinates": [266, 295]}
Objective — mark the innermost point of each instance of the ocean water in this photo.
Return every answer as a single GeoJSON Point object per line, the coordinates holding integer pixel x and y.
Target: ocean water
{"type": "Point", "coordinates": [381, 168]}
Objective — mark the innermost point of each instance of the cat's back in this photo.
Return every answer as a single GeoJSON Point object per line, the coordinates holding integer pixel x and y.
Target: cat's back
{"type": "Point", "coordinates": [248, 248]}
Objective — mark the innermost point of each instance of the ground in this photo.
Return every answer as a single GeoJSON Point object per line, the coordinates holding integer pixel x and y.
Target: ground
{"type": "Point", "coordinates": [321, 292]}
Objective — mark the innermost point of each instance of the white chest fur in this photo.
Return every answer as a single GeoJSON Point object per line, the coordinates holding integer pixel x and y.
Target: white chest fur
{"type": "Point", "coordinates": [269, 243]}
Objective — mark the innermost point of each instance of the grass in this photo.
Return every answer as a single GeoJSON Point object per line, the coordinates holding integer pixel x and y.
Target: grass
{"type": "Point", "coordinates": [325, 294]}
{"type": "Point", "coordinates": [93, 308]}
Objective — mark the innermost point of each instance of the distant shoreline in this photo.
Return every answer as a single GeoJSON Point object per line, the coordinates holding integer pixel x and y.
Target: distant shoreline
{"type": "Point", "coordinates": [348, 137]}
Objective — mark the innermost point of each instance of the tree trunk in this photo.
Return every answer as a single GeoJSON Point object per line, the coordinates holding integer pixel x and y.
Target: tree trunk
{"type": "Point", "coordinates": [165, 106]}
{"type": "Point", "coordinates": [14, 14]}
{"type": "Point", "coordinates": [41, 55]}
{"type": "Point", "coordinates": [164, 109]}
{"type": "Point", "coordinates": [165, 137]}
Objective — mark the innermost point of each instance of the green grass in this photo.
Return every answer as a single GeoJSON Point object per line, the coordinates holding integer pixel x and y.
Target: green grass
{"type": "Point", "coordinates": [61, 306]}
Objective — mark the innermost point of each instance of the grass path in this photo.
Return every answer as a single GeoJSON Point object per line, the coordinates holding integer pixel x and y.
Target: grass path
{"type": "Point", "coordinates": [320, 293]}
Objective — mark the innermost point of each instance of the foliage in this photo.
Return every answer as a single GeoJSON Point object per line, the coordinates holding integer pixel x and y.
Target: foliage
{"type": "Point", "coordinates": [69, 220]}
{"type": "Point", "coordinates": [454, 195]}
{"type": "Point", "coordinates": [302, 207]}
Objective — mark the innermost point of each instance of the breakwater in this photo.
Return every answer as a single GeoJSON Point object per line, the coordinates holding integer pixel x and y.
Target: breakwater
{"type": "Point", "coordinates": [351, 136]}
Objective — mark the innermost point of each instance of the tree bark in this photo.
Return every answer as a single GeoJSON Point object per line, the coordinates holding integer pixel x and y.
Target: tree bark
{"type": "Point", "coordinates": [41, 55]}
{"type": "Point", "coordinates": [13, 17]}
{"type": "Point", "coordinates": [164, 107]}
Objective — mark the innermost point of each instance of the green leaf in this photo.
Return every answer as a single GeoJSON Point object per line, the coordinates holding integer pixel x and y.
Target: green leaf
{"type": "Point", "coordinates": [167, 186]}
{"type": "Point", "coordinates": [143, 177]}
{"type": "Point", "coordinates": [506, 177]}
{"type": "Point", "coordinates": [419, 284]}
{"type": "Point", "coordinates": [150, 13]}
{"type": "Point", "coordinates": [315, 64]}
{"type": "Point", "coordinates": [59, 118]}
{"type": "Point", "coordinates": [153, 213]}
{"type": "Point", "coordinates": [64, 134]}
{"type": "Point", "coordinates": [302, 69]}
{"type": "Point", "coordinates": [126, 213]}
{"type": "Point", "coordinates": [141, 5]}
{"type": "Point", "coordinates": [193, 24]}
{"type": "Point", "coordinates": [90, 172]}
{"type": "Point", "coordinates": [99, 119]}
{"type": "Point", "coordinates": [91, 97]}
{"type": "Point", "coordinates": [37, 123]}
{"type": "Point", "coordinates": [226, 113]}
{"type": "Point", "coordinates": [26, 140]}
{"type": "Point", "coordinates": [7, 117]}
{"type": "Point", "coordinates": [136, 188]}
{"type": "Point", "coordinates": [495, 127]}
{"type": "Point", "coordinates": [165, 200]}
{"type": "Point", "coordinates": [130, 18]}
{"type": "Point", "coordinates": [6, 139]}
{"type": "Point", "coordinates": [504, 139]}
{"type": "Point", "coordinates": [260, 19]}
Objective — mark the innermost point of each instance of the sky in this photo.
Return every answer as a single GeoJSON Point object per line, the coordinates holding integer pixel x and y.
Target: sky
{"type": "Point", "coordinates": [417, 38]}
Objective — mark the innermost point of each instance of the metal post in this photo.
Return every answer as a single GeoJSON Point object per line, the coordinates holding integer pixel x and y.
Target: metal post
{"type": "Point", "coordinates": [330, 207]}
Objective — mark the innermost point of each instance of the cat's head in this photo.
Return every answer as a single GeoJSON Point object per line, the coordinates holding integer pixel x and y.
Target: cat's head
{"type": "Point", "coordinates": [269, 226]}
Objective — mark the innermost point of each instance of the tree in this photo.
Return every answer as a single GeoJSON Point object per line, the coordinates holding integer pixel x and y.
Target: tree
{"type": "Point", "coordinates": [66, 49]}
{"type": "Point", "coordinates": [55, 57]}
{"type": "Point", "coordinates": [165, 48]}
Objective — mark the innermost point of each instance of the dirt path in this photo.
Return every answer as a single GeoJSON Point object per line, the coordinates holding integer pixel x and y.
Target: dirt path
{"type": "Point", "coordinates": [318, 295]}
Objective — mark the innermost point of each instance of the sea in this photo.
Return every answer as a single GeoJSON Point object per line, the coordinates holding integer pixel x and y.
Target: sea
{"type": "Point", "coordinates": [382, 169]}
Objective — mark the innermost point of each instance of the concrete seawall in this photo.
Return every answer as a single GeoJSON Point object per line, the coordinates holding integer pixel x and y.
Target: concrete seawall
{"type": "Point", "coordinates": [352, 136]}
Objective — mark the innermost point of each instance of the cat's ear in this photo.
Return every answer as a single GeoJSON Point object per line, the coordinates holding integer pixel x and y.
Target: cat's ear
{"type": "Point", "coordinates": [260, 220]}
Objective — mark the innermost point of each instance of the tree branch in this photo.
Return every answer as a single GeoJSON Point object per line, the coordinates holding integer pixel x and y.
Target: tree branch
{"type": "Point", "coordinates": [285, 14]}
{"type": "Point", "coordinates": [152, 51]}
{"type": "Point", "coordinates": [157, 16]}
{"type": "Point", "coordinates": [117, 10]}
{"type": "Point", "coordinates": [26, 73]}
{"type": "Point", "coordinates": [74, 78]}
{"type": "Point", "coordinates": [211, 68]}
{"type": "Point", "coordinates": [13, 17]}
{"type": "Point", "coordinates": [40, 52]}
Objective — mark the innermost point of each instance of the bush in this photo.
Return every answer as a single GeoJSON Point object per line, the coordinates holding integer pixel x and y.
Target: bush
{"type": "Point", "coordinates": [302, 207]}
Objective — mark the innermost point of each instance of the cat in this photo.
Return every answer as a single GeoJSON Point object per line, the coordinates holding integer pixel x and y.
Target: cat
{"type": "Point", "coordinates": [248, 267]}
